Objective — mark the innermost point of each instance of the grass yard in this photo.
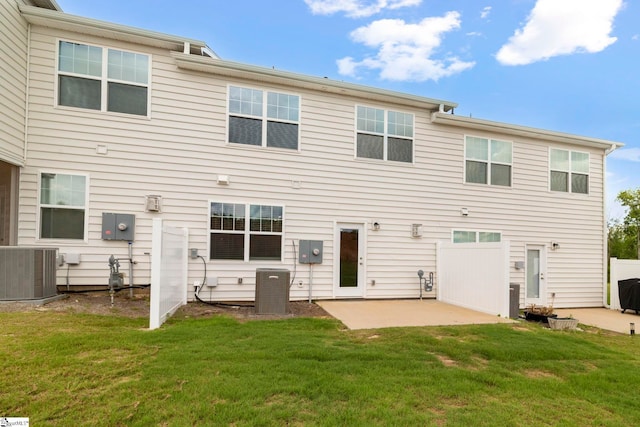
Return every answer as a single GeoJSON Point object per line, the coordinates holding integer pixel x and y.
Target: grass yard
{"type": "Point", "coordinates": [76, 369]}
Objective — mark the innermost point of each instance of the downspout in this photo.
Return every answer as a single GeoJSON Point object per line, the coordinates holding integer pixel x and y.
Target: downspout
{"type": "Point", "coordinates": [605, 255]}
{"type": "Point", "coordinates": [26, 94]}
{"type": "Point", "coordinates": [14, 201]}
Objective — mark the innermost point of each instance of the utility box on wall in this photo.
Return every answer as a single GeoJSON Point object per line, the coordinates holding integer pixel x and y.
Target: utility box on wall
{"type": "Point", "coordinates": [118, 226]}
{"type": "Point", "coordinates": [310, 252]}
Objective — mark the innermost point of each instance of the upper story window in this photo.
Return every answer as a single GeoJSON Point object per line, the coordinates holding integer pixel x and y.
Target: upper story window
{"type": "Point", "coordinates": [488, 161]}
{"type": "Point", "coordinates": [103, 79]}
{"type": "Point", "coordinates": [569, 171]}
{"type": "Point", "coordinates": [62, 206]}
{"type": "Point", "coordinates": [245, 232]}
{"type": "Point", "coordinates": [263, 118]}
{"type": "Point", "coordinates": [384, 135]}
{"type": "Point", "coordinates": [466, 236]}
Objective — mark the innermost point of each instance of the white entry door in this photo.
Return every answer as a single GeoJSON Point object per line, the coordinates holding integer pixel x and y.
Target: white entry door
{"type": "Point", "coordinates": [536, 271]}
{"type": "Point", "coordinates": [350, 265]}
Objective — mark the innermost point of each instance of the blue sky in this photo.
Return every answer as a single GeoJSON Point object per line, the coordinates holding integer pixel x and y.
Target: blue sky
{"type": "Point", "coordinates": [563, 65]}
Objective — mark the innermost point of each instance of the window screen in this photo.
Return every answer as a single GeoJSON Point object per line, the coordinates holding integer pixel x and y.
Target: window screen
{"type": "Point", "coordinates": [263, 118]}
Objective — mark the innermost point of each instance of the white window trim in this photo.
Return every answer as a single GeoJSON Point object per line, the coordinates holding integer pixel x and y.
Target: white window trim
{"type": "Point", "coordinates": [569, 171]}
{"type": "Point", "coordinates": [489, 163]}
{"type": "Point", "coordinates": [264, 119]}
{"type": "Point", "coordinates": [384, 135]}
{"type": "Point", "coordinates": [104, 80]}
{"type": "Point", "coordinates": [247, 232]}
{"type": "Point", "coordinates": [38, 230]}
{"type": "Point", "coordinates": [477, 235]}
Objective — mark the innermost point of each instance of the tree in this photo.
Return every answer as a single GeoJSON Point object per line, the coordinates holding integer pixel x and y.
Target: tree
{"type": "Point", "coordinates": [622, 245]}
{"type": "Point", "coordinates": [631, 222]}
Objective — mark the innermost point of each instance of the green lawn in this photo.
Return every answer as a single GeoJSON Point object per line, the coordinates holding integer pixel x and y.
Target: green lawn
{"type": "Point", "coordinates": [70, 369]}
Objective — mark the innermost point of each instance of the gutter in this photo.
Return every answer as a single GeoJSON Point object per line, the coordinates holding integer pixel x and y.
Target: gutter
{"type": "Point", "coordinates": [232, 69]}
{"type": "Point", "coordinates": [525, 131]}
{"type": "Point", "coordinates": [59, 20]}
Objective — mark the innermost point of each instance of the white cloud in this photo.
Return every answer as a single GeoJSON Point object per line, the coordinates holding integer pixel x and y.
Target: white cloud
{"type": "Point", "coordinates": [356, 8]}
{"type": "Point", "coordinates": [485, 12]}
{"type": "Point", "coordinates": [405, 51]}
{"type": "Point", "coordinates": [560, 28]}
{"type": "Point", "coordinates": [635, 37]}
{"type": "Point", "coordinates": [631, 154]}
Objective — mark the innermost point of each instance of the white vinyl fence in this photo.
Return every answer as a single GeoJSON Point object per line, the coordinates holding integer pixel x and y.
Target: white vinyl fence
{"type": "Point", "coordinates": [621, 269]}
{"type": "Point", "coordinates": [474, 276]}
{"type": "Point", "coordinates": [169, 260]}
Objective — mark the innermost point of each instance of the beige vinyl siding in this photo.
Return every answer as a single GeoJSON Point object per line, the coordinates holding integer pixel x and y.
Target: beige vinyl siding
{"type": "Point", "coordinates": [13, 72]}
{"type": "Point", "coordinates": [179, 151]}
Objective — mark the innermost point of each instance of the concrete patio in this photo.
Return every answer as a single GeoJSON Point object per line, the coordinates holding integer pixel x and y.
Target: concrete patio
{"type": "Point", "coordinates": [373, 314]}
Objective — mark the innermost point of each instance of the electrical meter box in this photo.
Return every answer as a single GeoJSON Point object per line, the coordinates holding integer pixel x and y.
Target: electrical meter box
{"type": "Point", "coordinates": [118, 226]}
{"type": "Point", "coordinates": [310, 252]}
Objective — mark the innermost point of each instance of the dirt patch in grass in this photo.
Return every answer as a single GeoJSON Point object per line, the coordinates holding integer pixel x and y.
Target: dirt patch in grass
{"type": "Point", "coordinates": [138, 306]}
{"type": "Point", "coordinates": [536, 373]}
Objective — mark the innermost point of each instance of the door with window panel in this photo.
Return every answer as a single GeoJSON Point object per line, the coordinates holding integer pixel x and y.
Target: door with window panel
{"type": "Point", "coordinates": [535, 270]}
{"type": "Point", "coordinates": [350, 265]}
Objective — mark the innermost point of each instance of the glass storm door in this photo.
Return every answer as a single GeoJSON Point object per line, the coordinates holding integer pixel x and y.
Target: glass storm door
{"type": "Point", "coordinates": [535, 271]}
{"type": "Point", "coordinates": [350, 268]}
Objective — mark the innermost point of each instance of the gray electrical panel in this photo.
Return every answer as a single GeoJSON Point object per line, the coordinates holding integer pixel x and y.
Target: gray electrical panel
{"type": "Point", "coordinates": [118, 226]}
{"type": "Point", "coordinates": [310, 252]}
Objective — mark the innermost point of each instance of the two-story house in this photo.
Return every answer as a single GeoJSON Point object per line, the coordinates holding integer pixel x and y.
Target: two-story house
{"type": "Point", "coordinates": [104, 118]}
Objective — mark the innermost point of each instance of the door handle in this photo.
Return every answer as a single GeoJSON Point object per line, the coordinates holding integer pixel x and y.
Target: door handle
{"type": "Point", "coordinates": [541, 276]}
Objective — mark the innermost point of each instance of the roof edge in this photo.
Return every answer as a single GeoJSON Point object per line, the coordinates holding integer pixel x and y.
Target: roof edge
{"type": "Point", "coordinates": [236, 69]}
{"type": "Point", "coordinates": [517, 130]}
{"type": "Point", "coordinates": [60, 20]}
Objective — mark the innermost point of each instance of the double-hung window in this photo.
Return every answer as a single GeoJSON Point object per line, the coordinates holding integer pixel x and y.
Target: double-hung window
{"type": "Point", "coordinates": [569, 171]}
{"type": "Point", "coordinates": [466, 236]}
{"type": "Point", "coordinates": [488, 161]}
{"type": "Point", "coordinates": [263, 118]}
{"type": "Point", "coordinates": [384, 135]}
{"type": "Point", "coordinates": [102, 79]}
{"type": "Point", "coordinates": [245, 232]}
{"type": "Point", "coordinates": [62, 206]}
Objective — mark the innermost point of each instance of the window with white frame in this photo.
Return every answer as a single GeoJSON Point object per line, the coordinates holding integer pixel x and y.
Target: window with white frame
{"type": "Point", "coordinates": [263, 118]}
{"type": "Point", "coordinates": [245, 232]}
{"type": "Point", "coordinates": [62, 206]}
{"type": "Point", "coordinates": [469, 236]}
{"type": "Point", "coordinates": [568, 171]}
{"type": "Point", "coordinates": [384, 134]}
{"type": "Point", "coordinates": [488, 161]}
{"type": "Point", "coordinates": [102, 79]}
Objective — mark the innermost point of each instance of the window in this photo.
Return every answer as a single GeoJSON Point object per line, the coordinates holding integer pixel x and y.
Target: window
{"type": "Point", "coordinates": [102, 79]}
{"type": "Point", "coordinates": [465, 236]}
{"type": "Point", "coordinates": [235, 238]}
{"type": "Point", "coordinates": [384, 135]}
{"type": "Point", "coordinates": [62, 206]}
{"type": "Point", "coordinates": [265, 119]}
{"type": "Point", "coordinates": [569, 171]}
{"type": "Point", "coordinates": [488, 161]}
